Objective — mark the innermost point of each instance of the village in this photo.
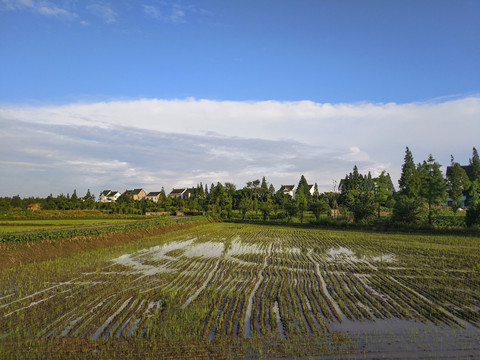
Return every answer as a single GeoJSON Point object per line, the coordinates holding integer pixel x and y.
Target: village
{"type": "Point", "coordinates": [177, 193]}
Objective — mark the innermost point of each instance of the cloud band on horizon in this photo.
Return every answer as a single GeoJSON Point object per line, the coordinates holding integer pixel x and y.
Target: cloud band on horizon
{"type": "Point", "coordinates": [143, 141]}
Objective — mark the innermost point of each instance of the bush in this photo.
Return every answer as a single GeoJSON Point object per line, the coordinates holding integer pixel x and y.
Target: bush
{"type": "Point", "coordinates": [409, 211]}
{"type": "Point", "coordinates": [448, 221]}
{"type": "Point", "coordinates": [473, 215]}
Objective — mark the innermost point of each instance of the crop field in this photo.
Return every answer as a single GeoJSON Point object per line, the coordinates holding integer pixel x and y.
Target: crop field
{"type": "Point", "coordinates": [16, 226]}
{"type": "Point", "coordinates": [250, 291]}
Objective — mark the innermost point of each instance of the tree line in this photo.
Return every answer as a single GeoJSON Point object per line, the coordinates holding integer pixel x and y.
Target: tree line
{"type": "Point", "coordinates": [360, 198]}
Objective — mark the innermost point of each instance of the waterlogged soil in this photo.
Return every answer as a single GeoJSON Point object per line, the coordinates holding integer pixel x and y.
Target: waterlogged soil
{"type": "Point", "coordinates": [249, 292]}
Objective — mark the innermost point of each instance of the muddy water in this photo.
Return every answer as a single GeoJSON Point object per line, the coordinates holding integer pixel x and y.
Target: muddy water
{"type": "Point", "coordinates": [276, 310]}
{"type": "Point", "coordinates": [247, 332]}
{"type": "Point", "coordinates": [406, 339]}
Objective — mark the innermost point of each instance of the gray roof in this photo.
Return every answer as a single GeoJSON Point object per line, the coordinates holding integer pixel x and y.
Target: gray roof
{"type": "Point", "coordinates": [178, 191]}
{"type": "Point", "coordinates": [155, 193]}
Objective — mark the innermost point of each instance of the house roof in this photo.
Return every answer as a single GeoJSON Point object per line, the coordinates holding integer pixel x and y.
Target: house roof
{"type": "Point", "coordinates": [155, 193]}
{"type": "Point", "coordinates": [464, 167]}
{"type": "Point", "coordinates": [287, 187]}
{"type": "Point", "coordinates": [106, 192]}
{"type": "Point", "coordinates": [133, 192]}
{"type": "Point", "coordinates": [178, 191]}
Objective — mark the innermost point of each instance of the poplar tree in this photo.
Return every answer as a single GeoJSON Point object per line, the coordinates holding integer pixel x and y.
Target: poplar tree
{"type": "Point", "coordinates": [433, 187]}
{"type": "Point", "coordinates": [472, 216]}
{"type": "Point", "coordinates": [409, 182]}
{"type": "Point", "coordinates": [301, 201]}
{"type": "Point", "coordinates": [303, 184]}
{"type": "Point", "coordinates": [383, 190]}
{"type": "Point", "coordinates": [473, 196]}
{"type": "Point", "coordinates": [408, 206]}
{"type": "Point", "coordinates": [458, 183]}
{"type": "Point", "coordinates": [474, 173]}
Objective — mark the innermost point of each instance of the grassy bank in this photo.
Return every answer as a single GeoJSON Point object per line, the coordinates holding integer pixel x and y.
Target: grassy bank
{"type": "Point", "coordinates": [26, 248]}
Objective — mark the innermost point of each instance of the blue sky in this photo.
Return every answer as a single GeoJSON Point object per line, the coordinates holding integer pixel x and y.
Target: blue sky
{"type": "Point", "coordinates": [327, 84]}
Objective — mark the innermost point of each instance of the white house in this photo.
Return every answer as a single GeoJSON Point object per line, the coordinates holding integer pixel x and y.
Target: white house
{"type": "Point", "coordinates": [109, 196]}
{"type": "Point", "coordinates": [154, 196]}
{"type": "Point", "coordinates": [291, 190]}
{"type": "Point", "coordinates": [311, 189]}
{"type": "Point", "coordinates": [182, 193]}
{"type": "Point", "coordinates": [288, 190]}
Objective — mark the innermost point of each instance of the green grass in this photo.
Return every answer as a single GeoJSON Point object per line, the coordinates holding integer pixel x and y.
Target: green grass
{"type": "Point", "coordinates": [14, 226]}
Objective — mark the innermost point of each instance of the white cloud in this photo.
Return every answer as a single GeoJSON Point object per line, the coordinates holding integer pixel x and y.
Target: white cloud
{"type": "Point", "coordinates": [106, 13]}
{"type": "Point", "coordinates": [340, 125]}
{"type": "Point", "coordinates": [154, 143]}
{"type": "Point", "coordinates": [18, 4]}
{"type": "Point", "coordinates": [172, 12]}
{"type": "Point", "coordinates": [41, 7]}
{"type": "Point", "coordinates": [152, 11]}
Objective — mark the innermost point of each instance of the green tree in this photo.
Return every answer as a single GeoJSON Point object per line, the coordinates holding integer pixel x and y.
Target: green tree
{"type": "Point", "coordinates": [17, 202]}
{"type": "Point", "coordinates": [291, 209]}
{"type": "Point", "coordinates": [50, 203]}
{"type": "Point", "coordinates": [363, 206]}
{"type": "Point", "coordinates": [433, 187]}
{"type": "Point", "coordinates": [408, 206]}
{"type": "Point", "coordinates": [408, 210]}
{"type": "Point", "coordinates": [301, 201]}
{"type": "Point", "coordinates": [383, 191]}
{"type": "Point", "coordinates": [357, 195]}
{"type": "Point", "coordinates": [271, 191]}
{"type": "Point", "coordinates": [265, 208]}
{"type": "Point", "coordinates": [318, 207]}
{"type": "Point", "coordinates": [303, 184]}
{"type": "Point", "coordinates": [409, 182]}
{"type": "Point", "coordinates": [245, 204]}
{"type": "Point", "coordinates": [89, 200]}
{"type": "Point", "coordinates": [263, 190]}
{"type": "Point", "coordinates": [74, 200]}
{"type": "Point", "coordinates": [474, 173]}
{"type": "Point", "coordinates": [457, 183]}
{"type": "Point", "coordinates": [472, 216]}
{"type": "Point", "coordinates": [316, 194]}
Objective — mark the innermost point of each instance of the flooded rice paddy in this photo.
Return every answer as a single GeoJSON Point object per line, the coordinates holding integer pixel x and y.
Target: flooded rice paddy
{"type": "Point", "coordinates": [331, 293]}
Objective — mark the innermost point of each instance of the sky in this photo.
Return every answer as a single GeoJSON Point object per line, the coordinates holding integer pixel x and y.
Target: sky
{"type": "Point", "coordinates": [104, 94]}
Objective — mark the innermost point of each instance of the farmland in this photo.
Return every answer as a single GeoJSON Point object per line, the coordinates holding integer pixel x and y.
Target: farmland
{"type": "Point", "coordinates": [239, 290]}
{"type": "Point", "coordinates": [15, 226]}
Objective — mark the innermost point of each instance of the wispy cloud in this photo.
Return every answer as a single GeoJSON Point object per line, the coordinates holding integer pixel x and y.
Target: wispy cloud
{"type": "Point", "coordinates": [153, 143]}
{"type": "Point", "coordinates": [41, 7]}
{"type": "Point", "coordinates": [172, 12]}
{"type": "Point", "coordinates": [106, 13]}
{"type": "Point", "coordinates": [167, 12]}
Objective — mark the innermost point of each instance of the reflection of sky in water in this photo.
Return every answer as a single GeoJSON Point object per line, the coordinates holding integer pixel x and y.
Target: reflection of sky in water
{"type": "Point", "coordinates": [191, 248]}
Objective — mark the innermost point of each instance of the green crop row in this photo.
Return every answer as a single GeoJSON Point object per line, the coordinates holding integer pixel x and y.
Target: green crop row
{"type": "Point", "coordinates": [61, 234]}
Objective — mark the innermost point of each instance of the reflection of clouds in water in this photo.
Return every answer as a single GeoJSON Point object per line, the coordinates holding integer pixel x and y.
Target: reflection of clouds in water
{"type": "Point", "coordinates": [205, 249]}
{"type": "Point", "coordinates": [339, 253]}
{"type": "Point", "coordinates": [141, 261]}
{"type": "Point", "coordinates": [238, 247]}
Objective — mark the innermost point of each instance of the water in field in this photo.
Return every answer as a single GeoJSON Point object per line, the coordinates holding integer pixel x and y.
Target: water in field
{"type": "Point", "coordinates": [326, 292]}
